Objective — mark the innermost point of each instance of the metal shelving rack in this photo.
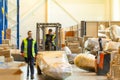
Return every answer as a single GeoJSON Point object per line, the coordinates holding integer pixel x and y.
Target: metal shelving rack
{"type": "Point", "coordinates": [13, 20]}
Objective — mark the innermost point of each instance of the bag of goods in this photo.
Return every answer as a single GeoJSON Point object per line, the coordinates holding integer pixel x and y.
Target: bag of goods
{"type": "Point", "coordinates": [85, 61]}
{"type": "Point", "coordinates": [111, 46]}
{"type": "Point", "coordinates": [54, 64]}
{"type": "Point", "coordinates": [92, 44]}
{"type": "Point", "coordinates": [115, 32]}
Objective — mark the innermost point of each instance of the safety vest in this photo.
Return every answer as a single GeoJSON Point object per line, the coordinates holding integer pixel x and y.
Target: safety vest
{"type": "Point", "coordinates": [26, 47]}
{"type": "Point", "coordinates": [53, 37]}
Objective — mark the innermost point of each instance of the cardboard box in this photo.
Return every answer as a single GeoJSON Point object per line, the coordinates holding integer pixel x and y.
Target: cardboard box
{"type": "Point", "coordinates": [76, 50]}
{"type": "Point", "coordinates": [71, 44]}
{"type": "Point", "coordinates": [4, 46]}
{"type": "Point", "coordinates": [2, 59]}
{"type": "Point", "coordinates": [69, 33]}
{"type": "Point", "coordinates": [15, 51]}
{"type": "Point", "coordinates": [117, 59]}
{"type": "Point", "coordinates": [11, 71]}
{"type": "Point", "coordinates": [8, 34]}
{"type": "Point", "coordinates": [9, 59]}
{"type": "Point", "coordinates": [115, 72]}
{"type": "Point", "coordinates": [11, 74]}
{"type": "Point", "coordinates": [6, 41]}
{"type": "Point", "coordinates": [5, 53]}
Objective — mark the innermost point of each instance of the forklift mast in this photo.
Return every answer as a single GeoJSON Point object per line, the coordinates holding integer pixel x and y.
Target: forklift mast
{"type": "Point", "coordinates": [41, 27]}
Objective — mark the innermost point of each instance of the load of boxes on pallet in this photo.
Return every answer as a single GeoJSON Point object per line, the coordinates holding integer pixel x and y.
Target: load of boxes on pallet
{"type": "Point", "coordinates": [8, 67]}
{"type": "Point", "coordinates": [5, 50]}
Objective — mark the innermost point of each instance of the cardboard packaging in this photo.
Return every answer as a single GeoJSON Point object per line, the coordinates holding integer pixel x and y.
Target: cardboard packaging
{"type": "Point", "coordinates": [76, 50]}
{"type": "Point", "coordinates": [9, 59]}
{"type": "Point", "coordinates": [8, 34]}
{"type": "Point", "coordinates": [2, 59]}
{"type": "Point", "coordinates": [115, 72]}
{"type": "Point", "coordinates": [73, 44]}
{"type": "Point", "coordinates": [6, 41]}
{"type": "Point", "coordinates": [11, 74]}
{"type": "Point", "coordinates": [5, 53]}
{"type": "Point", "coordinates": [4, 46]}
{"type": "Point", "coordinates": [70, 33]}
{"type": "Point", "coordinates": [115, 66]}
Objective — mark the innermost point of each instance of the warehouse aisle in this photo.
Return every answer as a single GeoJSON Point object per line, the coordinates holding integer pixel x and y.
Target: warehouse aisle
{"type": "Point", "coordinates": [78, 74]}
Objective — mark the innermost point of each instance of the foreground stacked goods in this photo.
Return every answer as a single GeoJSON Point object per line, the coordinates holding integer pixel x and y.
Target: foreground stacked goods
{"type": "Point", "coordinates": [6, 51]}
{"type": "Point", "coordinates": [11, 71]}
{"type": "Point", "coordinates": [85, 61]}
{"type": "Point", "coordinates": [54, 64]}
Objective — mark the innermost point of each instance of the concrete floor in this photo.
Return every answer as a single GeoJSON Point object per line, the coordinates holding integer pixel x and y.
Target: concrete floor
{"type": "Point", "coordinates": [78, 74]}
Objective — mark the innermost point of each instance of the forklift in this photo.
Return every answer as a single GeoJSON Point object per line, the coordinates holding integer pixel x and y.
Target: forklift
{"type": "Point", "coordinates": [41, 38]}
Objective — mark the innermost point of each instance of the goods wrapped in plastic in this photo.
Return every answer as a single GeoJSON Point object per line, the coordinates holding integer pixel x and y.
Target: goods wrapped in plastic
{"type": "Point", "coordinates": [115, 32]}
{"type": "Point", "coordinates": [71, 57]}
{"type": "Point", "coordinates": [112, 46]}
{"type": "Point", "coordinates": [102, 35]}
{"type": "Point", "coordinates": [67, 50]}
{"type": "Point", "coordinates": [69, 54]}
{"type": "Point", "coordinates": [85, 61]}
{"type": "Point", "coordinates": [92, 44]}
{"type": "Point", "coordinates": [54, 64]}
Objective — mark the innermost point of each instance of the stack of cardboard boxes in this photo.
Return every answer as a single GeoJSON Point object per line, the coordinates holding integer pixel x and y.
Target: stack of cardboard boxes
{"type": "Point", "coordinates": [73, 44]}
{"type": "Point", "coordinates": [5, 50]}
{"type": "Point", "coordinates": [115, 67]}
{"type": "Point", "coordinates": [10, 70]}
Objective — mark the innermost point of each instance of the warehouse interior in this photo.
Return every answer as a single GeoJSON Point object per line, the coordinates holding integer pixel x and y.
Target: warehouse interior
{"type": "Point", "coordinates": [84, 41]}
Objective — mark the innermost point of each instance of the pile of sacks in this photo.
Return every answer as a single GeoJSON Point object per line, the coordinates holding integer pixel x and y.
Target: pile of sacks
{"type": "Point", "coordinates": [87, 60]}
{"type": "Point", "coordinates": [5, 51]}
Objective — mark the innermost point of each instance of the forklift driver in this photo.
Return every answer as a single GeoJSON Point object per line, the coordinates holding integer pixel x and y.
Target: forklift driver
{"type": "Point", "coordinates": [49, 41]}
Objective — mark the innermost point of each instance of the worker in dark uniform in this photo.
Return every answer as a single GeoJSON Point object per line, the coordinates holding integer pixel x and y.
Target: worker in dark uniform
{"type": "Point", "coordinates": [29, 52]}
{"type": "Point", "coordinates": [49, 41]}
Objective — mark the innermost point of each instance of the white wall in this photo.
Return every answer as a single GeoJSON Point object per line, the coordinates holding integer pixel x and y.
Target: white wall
{"type": "Point", "coordinates": [115, 10]}
{"type": "Point", "coordinates": [31, 12]}
{"type": "Point", "coordinates": [66, 12]}
{"type": "Point", "coordinates": [78, 9]}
